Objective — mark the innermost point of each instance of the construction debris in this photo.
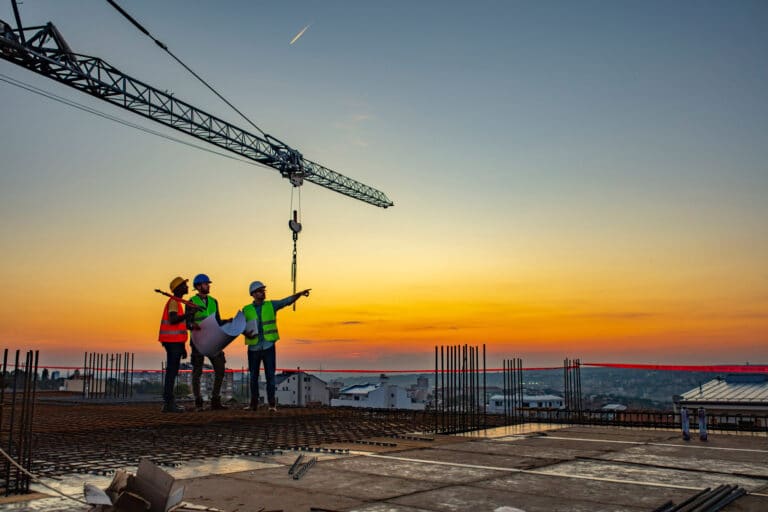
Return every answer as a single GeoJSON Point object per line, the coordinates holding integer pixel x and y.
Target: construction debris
{"type": "Point", "coordinates": [151, 489]}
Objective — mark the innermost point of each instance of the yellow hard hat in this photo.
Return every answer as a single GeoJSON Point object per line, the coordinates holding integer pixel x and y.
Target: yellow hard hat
{"type": "Point", "coordinates": [177, 281]}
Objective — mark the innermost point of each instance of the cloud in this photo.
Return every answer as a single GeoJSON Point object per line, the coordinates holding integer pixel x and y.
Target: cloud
{"type": "Point", "coordinates": [307, 341]}
{"type": "Point", "coordinates": [354, 125]}
{"type": "Point", "coordinates": [620, 315]}
{"type": "Point", "coordinates": [352, 322]}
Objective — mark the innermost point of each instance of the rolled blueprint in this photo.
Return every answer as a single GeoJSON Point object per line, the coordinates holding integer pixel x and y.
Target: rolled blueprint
{"type": "Point", "coordinates": [212, 338]}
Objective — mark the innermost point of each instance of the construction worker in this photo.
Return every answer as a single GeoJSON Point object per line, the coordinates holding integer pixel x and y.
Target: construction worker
{"type": "Point", "coordinates": [261, 340]}
{"type": "Point", "coordinates": [207, 306]}
{"type": "Point", "coordinates": [173, 336]}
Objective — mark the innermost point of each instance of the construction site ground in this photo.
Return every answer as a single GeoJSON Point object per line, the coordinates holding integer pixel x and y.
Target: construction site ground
{"type": "Point", "coordinates": [379, 462]}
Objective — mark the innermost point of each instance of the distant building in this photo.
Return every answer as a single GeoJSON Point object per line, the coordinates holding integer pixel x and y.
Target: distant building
{"type": "Point", "coordinates": [496, 402]}
{"type": "Point", "coordinates": [420, 391]}
{"type": "Point", "coordinates": [302, 389]}
{"type": "Point", "coordinates": [735, 399]}
{"type": "Point", "coordinates": [334, 388]}
{"type": "Point", "coordinates": [381, 395]}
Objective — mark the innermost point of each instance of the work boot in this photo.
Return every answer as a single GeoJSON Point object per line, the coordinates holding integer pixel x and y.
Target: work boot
{"type": "Point", "coordinates": [216, 404]}
{"type": "Point", "coordinates": [198, 404]}
{"type": "Point", "coordinates": [172, 407]}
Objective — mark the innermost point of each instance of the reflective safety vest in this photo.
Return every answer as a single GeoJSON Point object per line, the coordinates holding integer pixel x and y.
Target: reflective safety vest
{"type": "Point", "coordinates": [268, 322]}
{"type": "Point", "coordinates": [204, 311]}
{"type": "Point", "coordinates": [172, 333]}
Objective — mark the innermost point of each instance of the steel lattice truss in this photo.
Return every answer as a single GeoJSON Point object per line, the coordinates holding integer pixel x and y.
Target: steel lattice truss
{"type": "Point", "coordinates": [45, 52]}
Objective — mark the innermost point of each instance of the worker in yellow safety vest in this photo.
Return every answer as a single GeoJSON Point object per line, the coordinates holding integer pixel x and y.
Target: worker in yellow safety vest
{"type": "Point", "coordinates": [173, 336]}
{"type": "Point", "coordinates": [207, 306]}
{"type": "Point", "coordinates": [260, 337]}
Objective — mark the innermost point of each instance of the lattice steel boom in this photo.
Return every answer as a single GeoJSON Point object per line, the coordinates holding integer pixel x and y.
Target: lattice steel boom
{"type": "Point", "coordinates": [43, 50]}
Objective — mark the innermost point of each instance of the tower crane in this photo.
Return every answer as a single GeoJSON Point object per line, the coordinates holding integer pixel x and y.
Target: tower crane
{"type": "Point", "coordinates": [43, 50]}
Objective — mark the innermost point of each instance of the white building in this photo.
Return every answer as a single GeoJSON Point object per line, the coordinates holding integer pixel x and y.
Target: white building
{"type": "Point", "coordinates": [496, 402]}
{"type": "Point", "coordinates": [376, 396]}
{"type": "Point", "coordinates": [302, 389]}
{"type": "Point", "coordinates": [737, 399]}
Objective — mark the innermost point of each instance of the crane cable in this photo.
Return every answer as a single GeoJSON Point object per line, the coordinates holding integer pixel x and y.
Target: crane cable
{"type": "Point", "coordinates": [294, 224]}
{"type": "Point", "coordinates": [167, 50]}
{"type": "Point", "coordinates": [71, 103]}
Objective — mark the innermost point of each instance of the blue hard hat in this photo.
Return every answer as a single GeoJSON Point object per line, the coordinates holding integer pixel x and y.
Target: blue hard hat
{"type": "Point", "coordinates": [200, 279]}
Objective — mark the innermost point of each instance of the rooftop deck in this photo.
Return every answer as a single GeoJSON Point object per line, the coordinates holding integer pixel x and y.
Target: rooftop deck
{"type": "Point", "coordinates": [530, 467]}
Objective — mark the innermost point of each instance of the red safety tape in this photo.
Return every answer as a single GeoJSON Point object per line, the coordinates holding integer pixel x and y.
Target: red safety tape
{"type": "Point", "coordinates": [718, 368]}
{"type": "Point", "coordinates": [660, 367]}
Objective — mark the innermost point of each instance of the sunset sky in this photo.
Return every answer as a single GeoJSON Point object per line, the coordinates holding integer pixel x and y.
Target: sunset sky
{"type": "Point", "coordinates": [570, 179]}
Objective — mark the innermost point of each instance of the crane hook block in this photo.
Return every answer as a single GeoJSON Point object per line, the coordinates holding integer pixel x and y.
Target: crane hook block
{"type": "Point", "coordinates": [294, 223]}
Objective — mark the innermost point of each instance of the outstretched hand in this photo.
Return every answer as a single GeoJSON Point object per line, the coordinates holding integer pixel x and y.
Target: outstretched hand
{"type": "Point", "coordinates": [305, 293]}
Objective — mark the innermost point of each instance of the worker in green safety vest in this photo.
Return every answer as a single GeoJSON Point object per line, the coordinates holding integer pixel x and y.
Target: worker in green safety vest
{"type": "Point", "coordinates": [207, 306]}
{"type": "Point", "coordinates": [260, 337]}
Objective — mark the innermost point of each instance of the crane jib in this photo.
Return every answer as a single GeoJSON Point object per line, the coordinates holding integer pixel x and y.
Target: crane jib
{"type": "Point", "coordinates": [44, 51]}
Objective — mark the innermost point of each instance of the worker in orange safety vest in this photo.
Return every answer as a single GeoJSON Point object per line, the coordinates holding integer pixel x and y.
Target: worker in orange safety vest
{"type": "Point", "coordinates": [173, 335]}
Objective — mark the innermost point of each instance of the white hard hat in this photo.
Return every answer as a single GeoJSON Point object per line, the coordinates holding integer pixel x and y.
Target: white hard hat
{"type": "Point", "coordinates": [255, 286]}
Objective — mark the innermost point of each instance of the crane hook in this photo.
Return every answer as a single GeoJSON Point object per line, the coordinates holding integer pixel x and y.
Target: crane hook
{"type": "Point", "coordinates": [295, 227]}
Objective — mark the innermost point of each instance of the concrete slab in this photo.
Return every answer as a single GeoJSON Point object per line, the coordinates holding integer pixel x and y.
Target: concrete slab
{"type": "Point", "coordinates": [616, 433]}
{"type": "Point", "coordinates": [229, 493]}
{"type": "Point", "coordinates": [652, 475]}
{"type": "Point", "coordinates": [478, 459]}
{"type": "Point", "coordinates": [469, 498]}
{"type": "Point", "coordinates": [519, 449]}
{"type": "Point", "coordinates": [716, 461]}
{"type": "Point", "coordinates": [410, 470]}
{"type": "Point", "coordinates": [324, 479]}
{"type": "Point", "coordinates": [387, 507]}
{"type": "Point", "coordinates": [606, 493]}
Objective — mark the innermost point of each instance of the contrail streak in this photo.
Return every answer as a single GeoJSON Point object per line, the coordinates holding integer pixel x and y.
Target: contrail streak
{"type": "Point", "coordinates": [297, 36]}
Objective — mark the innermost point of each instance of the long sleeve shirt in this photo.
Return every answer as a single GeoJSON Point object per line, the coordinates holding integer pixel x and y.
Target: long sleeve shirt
{"type": "Point", "coordinates": [278, 305]}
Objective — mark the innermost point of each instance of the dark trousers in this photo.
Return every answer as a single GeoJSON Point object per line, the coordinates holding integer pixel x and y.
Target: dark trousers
{"type": "Point", "coordinates": [255, 358]}
{"type": "Point", "coordinates": [218, 362]}
{"type": "Point", "coordinates": [174, 352]}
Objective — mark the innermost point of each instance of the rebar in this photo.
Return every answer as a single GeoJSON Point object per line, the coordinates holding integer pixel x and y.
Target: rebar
{"type": "Point", "coordinates": [14, 479]}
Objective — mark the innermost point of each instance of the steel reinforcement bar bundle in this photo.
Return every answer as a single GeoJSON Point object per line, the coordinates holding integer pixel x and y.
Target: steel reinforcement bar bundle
{"type": "Point", "coordinates": [17, 410]}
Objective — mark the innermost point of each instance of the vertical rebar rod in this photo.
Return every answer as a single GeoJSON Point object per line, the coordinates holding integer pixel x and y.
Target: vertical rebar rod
{"type": "Point", "coordinates": [442, 385]}
{"type": "Point", "coordinates": [476, 400]}
{"type": "Point", "coordinates": [31, 419]}
{"type": "Point", "coordinates": [118, 365]}
{"type": "Point", "coordinates": [20, 448]}
{"type": "Point", "coordinates": [85, 365]}
{"type": "Point", "coordinates": [27, 457]}
{"type": "Point", "coordinates": [132, 355]}
{"type": "Point", "coordinates": [126, 384]}
{"type": "Point", "coordinates": [472, 387]}
{"type": "Point", "coordinates": [581, 396]}
{"type": "Point", "coordinates": [454, 412]}
{"type": "Point", "coordinates": [522, 382]}
{"type": "Point", "coordinates": [464, 397]}
{"type": "Point", "coordinates": [434, 405]}
{"type": "Point", "coordinates": [505, 390]}
{"type": "Point", "coordinates": [11, 423]}
{"type": "Point", "coordinates": [485, 391]}
{"type": "Point", "coordinates": [512, 390]}
{"type": "Point", "coordinates": [6, 466]}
